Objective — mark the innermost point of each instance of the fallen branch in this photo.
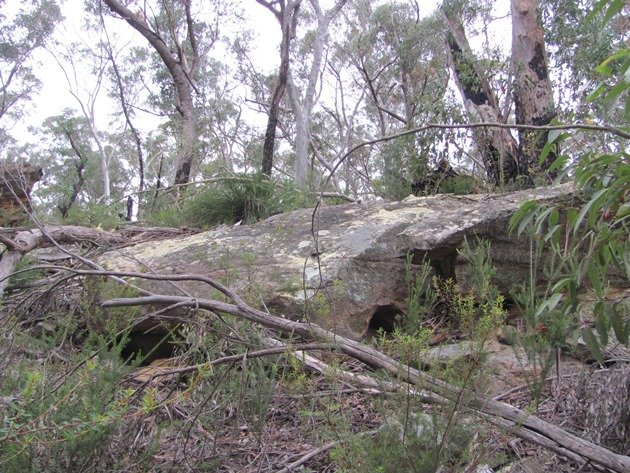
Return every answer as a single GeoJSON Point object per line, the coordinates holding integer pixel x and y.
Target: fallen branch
{"type": "Point", "coordinates": [304, 458]}
{"type": "Point", "coordinates": [525, 425]}
{"type": "Point", "coordinates": [278, 350]}
{"type": "Point", "coordinates": [27, 240]}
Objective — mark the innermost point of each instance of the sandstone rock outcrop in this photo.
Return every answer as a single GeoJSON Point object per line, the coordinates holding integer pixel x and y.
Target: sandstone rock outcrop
{"type": "Point", "coordinates": [349, 274]}
{"type": "Point", "coordinates": [16, 183]}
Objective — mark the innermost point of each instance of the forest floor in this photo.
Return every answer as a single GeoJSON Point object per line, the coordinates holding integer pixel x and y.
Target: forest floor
{"type": "Point", "coordinates": [73, 402]}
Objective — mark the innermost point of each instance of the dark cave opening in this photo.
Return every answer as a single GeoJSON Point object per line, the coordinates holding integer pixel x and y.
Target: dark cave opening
{"type": "Point", "coordinates": [384, 319]}
{"type": "Point", "coordinates": [149, 346]}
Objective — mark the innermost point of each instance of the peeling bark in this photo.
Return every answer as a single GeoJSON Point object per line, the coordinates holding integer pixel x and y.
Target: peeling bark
{"type": "Point", "coordinates": [533, 95]}
{"type": "Point", "coordinates": [497, 147]}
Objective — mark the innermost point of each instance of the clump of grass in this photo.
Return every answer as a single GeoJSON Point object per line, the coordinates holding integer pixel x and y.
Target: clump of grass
{"type": "Point", "coordinates": [246, 198]}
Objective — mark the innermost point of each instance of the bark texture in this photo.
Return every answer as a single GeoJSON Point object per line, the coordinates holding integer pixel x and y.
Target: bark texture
{"type": "Point", "coordinates": [533, 96]}
{"type": "Point", "coordinates": [181, 75]}
{"type": "Point", "coordinates": [497, 147]}
{"type": "Point", "coordinates": [287, 15]}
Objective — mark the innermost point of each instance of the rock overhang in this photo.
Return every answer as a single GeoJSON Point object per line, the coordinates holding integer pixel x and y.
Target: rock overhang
{"type": "Point", "coordinates": [354, 255]}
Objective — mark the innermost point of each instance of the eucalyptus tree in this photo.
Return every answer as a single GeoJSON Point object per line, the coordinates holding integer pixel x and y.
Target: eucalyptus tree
{"type": "Point", "coordinates": [533, 94]}
{"type": "Point", "coordinates": [87, 95]}
{"type": "Point", "coordinates": [575, 47]}
{"type": "Point", "coordinates": [504, 157]}
{"type": "Point", "coordinates": [497, 147]}
{"type": "Point", "coordinates": [68, 151]}
{"type": "Point", "coordinates": [286, 12]}
{"type": "Point", "coordinates": [396, 54]}
{"type": "Point", "coordinates": [182, 43]}
{"type": "Point", "coordinates": [125, 93]}
{"type": "Point", "coordinates": [303, 104]}
{"type": "Point", "coordinates": [22, 32]}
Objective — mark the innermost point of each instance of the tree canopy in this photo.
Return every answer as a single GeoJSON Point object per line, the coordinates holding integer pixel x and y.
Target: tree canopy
{"type": "Point", "coordinates": [163, 94]}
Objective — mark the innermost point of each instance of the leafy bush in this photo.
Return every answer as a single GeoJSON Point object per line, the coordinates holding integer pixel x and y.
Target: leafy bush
{"type": "Point", "coordinates": [62, 427]}
{"type": "Point", "coordinates": [93, 215]}
{"type": "Point", "coordinates": [240, 198]}
{"type": "Point", "coordinates": [416, 443]}
{"type": "Point", "coordinates": [588, 246]}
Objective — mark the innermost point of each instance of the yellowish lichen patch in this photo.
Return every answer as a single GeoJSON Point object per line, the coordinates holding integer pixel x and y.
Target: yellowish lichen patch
{"type": "Point", "coordinates": [398, 215]}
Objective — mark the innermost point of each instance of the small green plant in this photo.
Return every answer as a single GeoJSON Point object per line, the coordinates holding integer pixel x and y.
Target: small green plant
{"type": "Point", "coordinates": [58, 428]}
{"type": "Point", "coordinates": [93, 215]}
{"type": "Point", "coordinates": [415, 443]}
{"type": "Point", "coordinates": [412, 439]}
{"type": "Point", "coordinates": [421, 297]}
{"type": "Point", "coordinates": [458, 185]}
{"type": "Point", "coordinates": [24, 276]}
{"type": "Point", "coordinates": [588, 246]}
{"type": "Point", "coordinates": [246, 198]}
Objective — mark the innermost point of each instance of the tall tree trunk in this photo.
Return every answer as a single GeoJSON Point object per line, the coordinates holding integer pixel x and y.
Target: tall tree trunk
{"type": "Point", "coordinates": [533, 96]}
{"type": "Point", "coordinates": [287, 15]}
{"type": "Point", "coordinates": [127, 112]}
{"type": "Point", "coordinates": [497, 147]}
{"type": "Point", "coordinates": [187, 149]}
{"type": "Point", "coordinates": [303, 119]}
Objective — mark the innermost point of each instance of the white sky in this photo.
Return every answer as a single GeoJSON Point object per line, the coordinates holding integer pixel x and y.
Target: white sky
{"type": "Point", "coordinates": [54, 95]}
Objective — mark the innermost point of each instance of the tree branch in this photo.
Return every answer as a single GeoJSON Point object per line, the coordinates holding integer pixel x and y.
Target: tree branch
{"type": "Point", "coordinates": [556, 438]}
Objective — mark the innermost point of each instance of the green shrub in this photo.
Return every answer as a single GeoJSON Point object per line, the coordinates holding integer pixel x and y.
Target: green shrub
{"type": "Point", "coordinates": [246, 198]}
{"type": "Point", "coordinates": [414, 443]}
{"type": "Point", "coordinates": [93, 215]}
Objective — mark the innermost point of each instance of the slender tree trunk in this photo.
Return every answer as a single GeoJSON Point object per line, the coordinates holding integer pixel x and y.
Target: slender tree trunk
{"type": "Point", "coordinates": [77, 186]}
{"type": "Point", "coordinates": [127, 113]}
{"type": "Point", "coordinates": [497, 147]}
{"type": "Point", "coordinates": [187, 146]}
{"type": "Point", "coordinates": [287, 16]}
{"type": "Point", "coordinates": [303, 125]}
{"type": "Point", "coordinates": [533, 96]}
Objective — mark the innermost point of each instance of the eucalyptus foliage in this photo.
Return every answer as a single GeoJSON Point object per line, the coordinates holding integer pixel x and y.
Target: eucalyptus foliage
{"type": "Point", "coordinates": [587, 245]}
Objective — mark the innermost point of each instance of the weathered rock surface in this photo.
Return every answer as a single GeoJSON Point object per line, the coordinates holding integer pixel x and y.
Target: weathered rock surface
{"type": "Point", "coordinates": [16, 183]}
{"type": "Point", "coordinates": [351, 276]}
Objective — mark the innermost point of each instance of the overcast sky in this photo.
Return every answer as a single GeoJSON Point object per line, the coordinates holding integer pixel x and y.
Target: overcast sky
{"type": "Point", "coordinates": [54, 95]}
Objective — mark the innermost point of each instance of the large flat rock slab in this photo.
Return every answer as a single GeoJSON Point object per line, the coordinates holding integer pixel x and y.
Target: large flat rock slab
{"type": "Point", "coordinates": [346, 263]}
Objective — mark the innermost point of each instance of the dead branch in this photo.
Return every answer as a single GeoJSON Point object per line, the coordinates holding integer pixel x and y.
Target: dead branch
{"type": "Point", "coordinates": [20, 242]}
{"type": "Point", "coordinates": [28, 240]}
{"type": "Point", "coordinates": [524, 424]}
{"type": "Point", "coordinates": [278, 350]}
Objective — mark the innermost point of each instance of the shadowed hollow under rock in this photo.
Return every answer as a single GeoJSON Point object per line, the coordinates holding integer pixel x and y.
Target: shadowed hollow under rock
{"type": "Point", "coordinates": [352, 278]}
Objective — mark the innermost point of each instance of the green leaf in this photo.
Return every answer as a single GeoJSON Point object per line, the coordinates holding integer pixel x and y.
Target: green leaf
{"type": "Point", "coordinates": [618, 55]}
{"type": "Point", "coordinates": [601, 324]}
{"type": "Point", "coordinates": [620, 327]}
{"type": "Point", "coordinates": [559, 163]}
{"type": "Point", "coordinates": [595, 277]}
{"type": "Point", "coordinates": [541, 220]}
{"type": "Point", "coordinates": [604, 69]}
{"type": "Point", "coordinates": [597, 8]}
{"type": "Point", "coordinates": [548, 304]}
{"type": "Point", "coordinates": [614, 93]}
{"type": "Point", "coordinates": [553, 135]}
{"type": "Point", "coordinates": [623, 211]}
{"type": "Point", "coordinates": [552, 232]}
{"type": "Point", "coordinates": [554, 217]}
{"type": "Point", "coordinates": [586, 208]}
{"type": "Point", "coordinates": [526, 211]}
{"type": "Point", "coordinates": [614, 8]}
{"type": "Point", "coordinates": [592, 344]}
{"type": "Point", "coordinates": [601, 88]}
